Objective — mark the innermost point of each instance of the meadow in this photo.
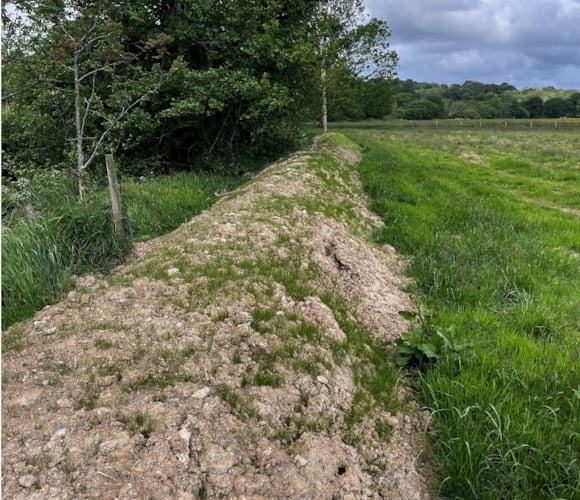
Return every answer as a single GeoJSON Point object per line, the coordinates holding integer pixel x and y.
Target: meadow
{"type": "Point", "coordinates": [489, 219]}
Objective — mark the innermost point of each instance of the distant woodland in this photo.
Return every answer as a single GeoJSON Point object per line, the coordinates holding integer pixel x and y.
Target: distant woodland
{"type": "Point", "coordinates": [355, 99]}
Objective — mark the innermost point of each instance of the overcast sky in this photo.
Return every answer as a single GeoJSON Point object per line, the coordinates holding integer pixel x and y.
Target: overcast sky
{"type": "Point", "coordinates": [528, 43]}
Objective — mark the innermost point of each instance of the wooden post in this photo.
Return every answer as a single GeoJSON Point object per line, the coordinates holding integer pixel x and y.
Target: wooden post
{"type": "Point", "coordinates": [115, 195]}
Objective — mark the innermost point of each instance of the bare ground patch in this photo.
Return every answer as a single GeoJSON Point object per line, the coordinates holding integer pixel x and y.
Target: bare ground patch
{"type": "Point", "coordinates": [472, 157]}
{"type": "Point", "coordinates": [233, 358]}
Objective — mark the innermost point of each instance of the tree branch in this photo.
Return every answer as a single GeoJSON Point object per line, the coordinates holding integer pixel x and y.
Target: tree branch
{"type": "Point", "coordinates": [88, 105]}
{"type": "Point", "coordinates": [112, 124]}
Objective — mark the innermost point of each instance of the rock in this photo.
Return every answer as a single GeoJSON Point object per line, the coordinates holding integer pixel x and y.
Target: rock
{"type": "Point", "coordinates": [321, 379]}
{"type": "Point", "coordinates": [202, 393]}
{"type": "Point", "coordinates": [184, 434]}
{"type": "Point", "coordinates": [60, 433]}
{"type": "Point", "coordinates": [172, 271]}
{"type": "Point", "coordinates": [49, 331]}
{"type": "Point", "coordinates": [26, 481]}
{"type": "Point", "coordinates": [300, 461]}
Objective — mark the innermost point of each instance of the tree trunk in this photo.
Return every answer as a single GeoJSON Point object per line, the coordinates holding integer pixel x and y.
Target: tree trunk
{"type": "Point", "coordinates": [323, 11]}
{"type": "Point", "coordinates": [79, 129]}
{"type": "Point", "coordinates": [324, 104]}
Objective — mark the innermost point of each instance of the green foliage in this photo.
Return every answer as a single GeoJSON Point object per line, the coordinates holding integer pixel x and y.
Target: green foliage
{"type": "Point", "coordinates": [423, 109]}
{"type": "Point", "coordinates": [425, 343]}
{"type": "Point", "coordinates": [535, 106]}
{"type": "Point", "coordinates": [475, 100]}
{"type": "Point", "coordinates": [166, 84]}
{"type": "Point", "coordinates": [556, 107]}
{"type": "Point", "coordinates": [352, 98]}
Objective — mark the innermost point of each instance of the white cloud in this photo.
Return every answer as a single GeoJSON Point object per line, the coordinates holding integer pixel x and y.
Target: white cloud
{"type": "Point", "coordinates": [530, 41]}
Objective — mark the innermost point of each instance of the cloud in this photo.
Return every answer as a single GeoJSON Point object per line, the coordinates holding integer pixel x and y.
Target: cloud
{"type": "Point", "coordinates": [524, 42]}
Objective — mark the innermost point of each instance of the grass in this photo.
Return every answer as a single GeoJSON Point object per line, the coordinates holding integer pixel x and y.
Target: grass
{"type": "Point", "coordinates": [492, 259]}
{"type": "Point", "coordinates": [70, 238]}
{"type": "Point", "coordinates": [40, 258]}
{"type": "Point", "coordinates": [503, 124]}
{"type": "Point", "coordinates": [159, 205]}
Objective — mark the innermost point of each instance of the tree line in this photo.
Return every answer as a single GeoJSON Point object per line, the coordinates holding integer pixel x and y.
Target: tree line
{"type": "Point", "coordinates": [423, 101]}
{"type": "Point", "coordinates": [174, 84]}
{"type": "Point", "coordinates": [352, 99]}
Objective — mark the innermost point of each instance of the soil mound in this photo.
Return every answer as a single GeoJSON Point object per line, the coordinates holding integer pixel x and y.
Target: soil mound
{"type": "Point", "coordinates": [244, 355]}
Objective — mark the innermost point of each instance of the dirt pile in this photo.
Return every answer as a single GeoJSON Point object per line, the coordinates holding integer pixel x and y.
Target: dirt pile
{"type": "Point", "coordinates": [244, 355]}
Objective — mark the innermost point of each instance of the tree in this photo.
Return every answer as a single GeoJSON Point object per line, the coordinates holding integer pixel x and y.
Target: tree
{"type": "Point", "coordinates": [348, 38]}
{"type": "Point", "coordinates": [378, 98]}
{"type": "Point", "coordinates": [163, 83]}
{"type": "Point", "coordinates": [423, 109]}
{"type": "Point", "coordinates": [345, 95]}
{"type": "Point", "coordinates": [573, 103]}
{"type": "Point", "coordinates": [535, 106]}
{"type": "Point", "coordinates": [556, 107]}
{"type": "Point", "coordinates": [70, 51]}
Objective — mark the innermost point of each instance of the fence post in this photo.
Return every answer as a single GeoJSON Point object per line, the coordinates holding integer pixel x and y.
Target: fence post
{"type": "Point", "coordinates": [115, 195]}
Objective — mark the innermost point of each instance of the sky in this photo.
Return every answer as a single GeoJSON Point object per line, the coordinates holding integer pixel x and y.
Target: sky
{"type": "Point", "coordinates": [528, 43]}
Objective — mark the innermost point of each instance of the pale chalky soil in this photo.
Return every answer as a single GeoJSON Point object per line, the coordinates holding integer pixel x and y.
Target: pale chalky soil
{"type": "Point", "coordinates": [206, 367]}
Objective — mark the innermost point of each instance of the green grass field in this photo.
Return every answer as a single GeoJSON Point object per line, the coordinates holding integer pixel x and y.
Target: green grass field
{"type": "Point", "coordinates": [490, 220]}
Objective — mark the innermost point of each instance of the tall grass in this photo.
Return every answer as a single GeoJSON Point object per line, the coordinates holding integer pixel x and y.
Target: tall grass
{"type": "Point", "coordinates": [505, 271]}
{"type": "Point", "coordinates": [159, 205]}
{"type": "Point", "coordinates": [39, 258]}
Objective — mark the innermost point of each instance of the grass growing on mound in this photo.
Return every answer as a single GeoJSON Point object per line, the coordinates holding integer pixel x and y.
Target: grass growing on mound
{"type": "Point", "coordinates": [505, 271]}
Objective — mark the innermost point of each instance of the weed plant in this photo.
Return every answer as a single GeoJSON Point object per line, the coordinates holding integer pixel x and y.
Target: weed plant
{"type": "Point", "coordinates": [505, 271]}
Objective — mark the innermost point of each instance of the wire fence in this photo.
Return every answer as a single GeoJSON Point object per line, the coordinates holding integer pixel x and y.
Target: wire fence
{"type": "Point", "coordinates": [564, 124]}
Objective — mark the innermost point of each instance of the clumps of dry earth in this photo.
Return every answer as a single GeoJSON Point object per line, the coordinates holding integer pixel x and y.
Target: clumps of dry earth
{"type": "Point", "coordinates": [245, 355]}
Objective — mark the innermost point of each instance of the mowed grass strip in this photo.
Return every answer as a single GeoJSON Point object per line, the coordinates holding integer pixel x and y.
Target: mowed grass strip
{"type": "Point", "coordinates": [506, 273]}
